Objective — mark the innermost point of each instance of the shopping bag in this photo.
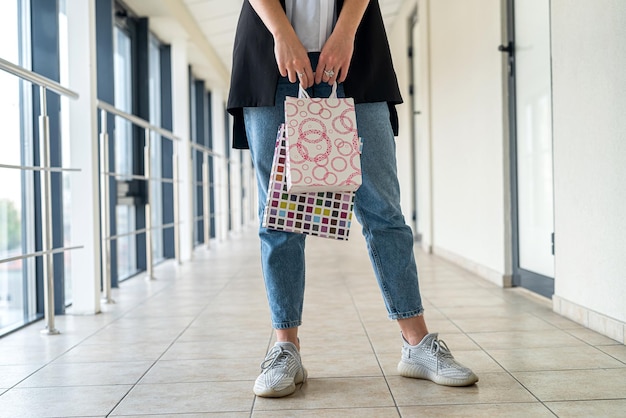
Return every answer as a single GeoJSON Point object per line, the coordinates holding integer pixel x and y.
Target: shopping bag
{"type": "Point", "coordinates": [323, 145]}
{"type": "Point", "coordinates": [323, 214]}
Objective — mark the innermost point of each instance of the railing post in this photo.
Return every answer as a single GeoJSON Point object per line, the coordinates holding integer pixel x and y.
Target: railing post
{"type": "Point", "coordinates": [175, 191]}
{"type": "Point", "coordinates": [46, 217]}
{"type": "Point", "coordinates": [148, 212]}
{"type": "Point", "coordinates": [105, 225]}
{"type": "Point", "coordinates": [206, 194]}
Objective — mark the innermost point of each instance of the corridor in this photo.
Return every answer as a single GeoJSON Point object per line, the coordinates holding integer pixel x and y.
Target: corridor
{"type": "Point", "coordinates": [189, 344]}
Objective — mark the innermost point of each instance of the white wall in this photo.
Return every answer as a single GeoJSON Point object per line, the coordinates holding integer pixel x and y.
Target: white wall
{"type": "Point", "coordinates": [461, 100]}
{"type": "Point", "coordinates": [589, 99]}
{"type": "Point", "coordinates": [418, 152]}
{"type": "Point", "coordinates": [466, 114]}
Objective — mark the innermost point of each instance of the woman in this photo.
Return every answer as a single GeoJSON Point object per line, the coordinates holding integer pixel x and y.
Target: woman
{"type": "Point", "coordinates": [317, 43]}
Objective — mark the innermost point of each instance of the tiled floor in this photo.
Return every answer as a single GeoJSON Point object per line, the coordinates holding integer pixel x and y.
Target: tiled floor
{"type": "Point", "coordinates": [189, 344]}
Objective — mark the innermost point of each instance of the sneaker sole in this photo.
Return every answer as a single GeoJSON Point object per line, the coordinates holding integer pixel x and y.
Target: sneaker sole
{"type": "Point", "coordinates": [419, 372]}
{"type": "Point", "coordinates": [266, 392]}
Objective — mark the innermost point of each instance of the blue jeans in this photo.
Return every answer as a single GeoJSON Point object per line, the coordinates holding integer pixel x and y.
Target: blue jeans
{"type": "Point", "coordinates": [376, 206]}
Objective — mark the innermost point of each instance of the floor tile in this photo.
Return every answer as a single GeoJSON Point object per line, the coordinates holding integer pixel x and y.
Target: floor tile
{"type": "Point", "coordinates": [460, 301]}
{"type": "Point", "coordinates": [342, 364]}
{"type": "Point", "coordinates": [591, 337]}
{"type": "Point", "coordinates": [505, 340]}
{"type": "Point", "coordinates": [557, 320]}
{"type": "Point", "coordinates": [190, 344]}
{"type": "Point", "coordinates": [216, 349]}
{"type": "Point", "coordinates": [334, 342]}
{"type": "Point", "coordinates": [129, 335]}
{"type": "Point", "coordinates": [490, 312]}
{"type": "Point", "coordinates": [203, 370]}
{"type": "Point", "coordinates": [136, 351]}
{"type": "Point", "coordinates": [31, 354]}
{"type": "Point", "coordinates": [504, 410]}
{"type": "Point", "coordinates": [175, 398]}
{"type": "Point", "coordinates": [77, 374]}
{"type": "Point", "coordinates": [561, 358]}
{"type": "Point", "coordinates": [575, 384]}
{"type": "Point", "coordinates": [491, 388]}
{"type": "Point", "coordinates": [521, 322]}
{"type": "Point", "coordinates": [12, 375]}
{"type": "Point", "coordinates": [202, 415]}
{"type": "Point", "coordinates": [61, 401]}
{"type": "Point", "coordinates": [331, 413]}
{"type": "Point", "coordinates": [364, 392]}
{"type": "Point", "coordinates": [616, 351]}
{"type": "Point", "coordinates": [584, 409]}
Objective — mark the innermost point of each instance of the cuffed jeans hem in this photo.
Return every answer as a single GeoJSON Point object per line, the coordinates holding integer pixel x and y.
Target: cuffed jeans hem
{"type": "Point", "coordinates": [406, 315]}
{"type": "Point", "coordinates": [285, 325]}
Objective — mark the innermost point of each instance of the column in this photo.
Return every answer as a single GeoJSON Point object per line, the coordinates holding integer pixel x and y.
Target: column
{"type": "Point", "coordinates": [85, 216]}
{"type": "Point", "coordinates": [180, 125]}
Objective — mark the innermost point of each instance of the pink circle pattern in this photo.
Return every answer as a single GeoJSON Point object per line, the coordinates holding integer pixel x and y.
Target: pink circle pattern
{"type": "Point", "coordinates": [314, 128]}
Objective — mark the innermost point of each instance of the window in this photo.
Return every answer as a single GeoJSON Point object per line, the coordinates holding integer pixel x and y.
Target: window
{"type": "Point", "coordinates": [125, 212]}
{"type": "Point", "coordinates": [17, 277]}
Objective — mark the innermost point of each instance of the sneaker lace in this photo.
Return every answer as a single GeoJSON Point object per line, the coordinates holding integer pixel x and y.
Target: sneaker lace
{"type": "Point", "coordinates": [440, 348]}
{"type": "Point", "coordinates": [278, 356]}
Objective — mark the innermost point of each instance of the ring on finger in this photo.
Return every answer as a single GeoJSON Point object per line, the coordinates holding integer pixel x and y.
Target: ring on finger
{"type": "Point", "coordinates": [300, 75]}
{"type": "Point", "coordinates": [329, 73]}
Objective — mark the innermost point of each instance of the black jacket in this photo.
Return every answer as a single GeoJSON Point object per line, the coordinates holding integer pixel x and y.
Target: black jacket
{"type": "Point", "coordinates": [254, 77]}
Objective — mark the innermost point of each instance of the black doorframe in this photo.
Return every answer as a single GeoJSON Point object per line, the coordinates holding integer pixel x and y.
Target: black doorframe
{"type": "Point", "coordinates": [532, 281]}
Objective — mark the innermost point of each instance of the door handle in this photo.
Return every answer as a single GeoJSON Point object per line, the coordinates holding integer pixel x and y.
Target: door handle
{"type": "Point", "coordinates": [508, 48]}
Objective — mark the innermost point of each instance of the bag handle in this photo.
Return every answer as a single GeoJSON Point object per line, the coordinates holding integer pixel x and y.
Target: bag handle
{"type": "Point", "coordinates": [302, 93]}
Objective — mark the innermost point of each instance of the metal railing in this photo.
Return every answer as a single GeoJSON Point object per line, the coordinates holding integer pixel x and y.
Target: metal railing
{"type": "Point", "coordinates": [206, 191]}
{"type": "Point", "coordinates": [105, 175]}
{"type": "Point", "coordinates": [45, 170]}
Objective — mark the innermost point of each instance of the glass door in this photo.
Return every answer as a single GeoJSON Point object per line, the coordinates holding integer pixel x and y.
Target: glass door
{"type": "Point", "coordinates": [125, 210]}
{"type": "Point", "coordinates": [156, 189]}
{"type": "Point", "coordinates": [531, 131]}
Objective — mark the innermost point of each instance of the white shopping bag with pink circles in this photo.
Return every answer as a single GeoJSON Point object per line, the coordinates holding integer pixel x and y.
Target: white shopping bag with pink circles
{"type": "Point", "coordinates": [323, 145]}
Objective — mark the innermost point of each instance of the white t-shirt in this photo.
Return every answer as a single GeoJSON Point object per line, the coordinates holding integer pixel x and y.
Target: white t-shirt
{"type": "Point", "coordinates": [313, 21]}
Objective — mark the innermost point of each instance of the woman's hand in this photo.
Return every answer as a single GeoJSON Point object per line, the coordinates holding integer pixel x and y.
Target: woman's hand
{"type": "Point", "coordinates": [335, 58]}
{"type": "Point", "coordinates": [292, 59]}
{"type": "Point", "coordinates": [337, 52]}
{"type": "Point", "coordinates": [291, 56]}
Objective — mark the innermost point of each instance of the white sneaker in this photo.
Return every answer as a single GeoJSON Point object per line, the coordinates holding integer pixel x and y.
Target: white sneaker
{"type": "Point", "coordinates": [431, 359]}
{"type": "Point", "coordinates": [282, 371]}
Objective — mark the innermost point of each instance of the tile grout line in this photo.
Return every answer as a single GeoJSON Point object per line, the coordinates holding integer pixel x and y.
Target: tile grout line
{"type": "Point", "coordinates": [358, 312]}
{"type": "Point", "coordinates": [195, 318]}
{"type": "Point", "coordinates": [496, 361]}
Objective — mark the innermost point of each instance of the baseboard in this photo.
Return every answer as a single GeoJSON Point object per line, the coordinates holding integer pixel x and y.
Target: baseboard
{"type": "Point", "coordinates": [591, 319]}
{"type": "Point", "coordinates": [495, 277]}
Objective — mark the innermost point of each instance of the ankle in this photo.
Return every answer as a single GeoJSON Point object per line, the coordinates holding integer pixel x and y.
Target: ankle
{"type": "Point", "coordinates": [288, 335]}
{"type": "Point", "coordinates": [413, 338]}
{"type": "Point", "coordinates": [295, 342]}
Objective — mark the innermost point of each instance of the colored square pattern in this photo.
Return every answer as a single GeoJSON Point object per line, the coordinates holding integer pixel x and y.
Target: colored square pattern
{"type": "Point", "coordinates": [323, 214]}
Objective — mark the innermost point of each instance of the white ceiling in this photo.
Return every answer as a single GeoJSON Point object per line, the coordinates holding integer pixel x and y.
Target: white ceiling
{"type": "Point", "coordinates": [208, 27]}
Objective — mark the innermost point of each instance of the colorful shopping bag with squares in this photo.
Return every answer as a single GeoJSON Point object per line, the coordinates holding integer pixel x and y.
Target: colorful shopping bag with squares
{"type": "Point", "coordinates": [323, 214]}
{"type": "Point", "coordinates": [323, 146]}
